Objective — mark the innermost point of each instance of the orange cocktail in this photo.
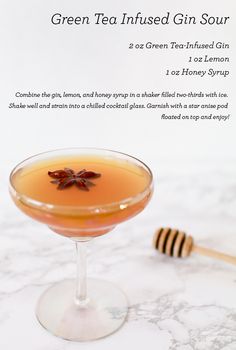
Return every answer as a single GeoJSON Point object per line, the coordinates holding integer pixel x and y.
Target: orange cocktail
{"type": "Point", "coordinates": [81, 193]}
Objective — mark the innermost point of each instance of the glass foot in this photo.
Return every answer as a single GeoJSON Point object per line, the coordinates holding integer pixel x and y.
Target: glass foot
{"type": "Point", "coordinates": [103, 314]}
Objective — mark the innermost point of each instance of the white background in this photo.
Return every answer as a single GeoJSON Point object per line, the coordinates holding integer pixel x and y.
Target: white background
{"type": "Point", "coordinates": [37, 56]}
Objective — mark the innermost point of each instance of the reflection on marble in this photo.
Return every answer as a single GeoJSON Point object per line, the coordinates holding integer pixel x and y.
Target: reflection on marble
{"type": "Point", "coordinates": [185, 304]}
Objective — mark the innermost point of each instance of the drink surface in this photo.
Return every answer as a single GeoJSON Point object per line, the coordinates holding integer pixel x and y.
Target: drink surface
{"type": "Point", "coordinates": [119, 180]}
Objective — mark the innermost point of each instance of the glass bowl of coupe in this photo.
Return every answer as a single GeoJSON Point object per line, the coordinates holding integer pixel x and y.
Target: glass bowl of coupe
{"type": "Point", "coordinates": [81, 193]}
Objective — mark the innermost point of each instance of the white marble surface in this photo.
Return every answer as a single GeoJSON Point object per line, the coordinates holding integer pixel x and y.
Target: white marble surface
{"type": "Point", "coordinates": [174, 304]}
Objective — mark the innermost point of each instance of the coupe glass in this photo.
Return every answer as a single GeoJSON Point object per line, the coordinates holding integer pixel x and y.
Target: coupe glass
{"type": "Point", "coordinates": [81, 309]}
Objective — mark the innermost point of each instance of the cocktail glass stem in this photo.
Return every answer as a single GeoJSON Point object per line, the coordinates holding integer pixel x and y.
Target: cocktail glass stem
{"type": "Point", "coordinates": [81, 298]}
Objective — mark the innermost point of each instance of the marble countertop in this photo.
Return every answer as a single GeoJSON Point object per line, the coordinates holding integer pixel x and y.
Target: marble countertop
{"type": "Point", "coordinates": [175, 304]}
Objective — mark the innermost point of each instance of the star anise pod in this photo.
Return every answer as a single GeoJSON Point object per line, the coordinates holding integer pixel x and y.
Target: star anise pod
{"type": "Point", "coordinates": [67, 177]}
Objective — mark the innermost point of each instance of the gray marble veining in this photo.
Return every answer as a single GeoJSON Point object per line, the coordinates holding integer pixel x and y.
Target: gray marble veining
{"type": "Point", "coordinates": [174, 304]}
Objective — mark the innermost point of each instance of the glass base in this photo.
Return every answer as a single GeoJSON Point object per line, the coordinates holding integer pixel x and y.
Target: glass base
{"type": "Point", "coordinates": [103, 313]}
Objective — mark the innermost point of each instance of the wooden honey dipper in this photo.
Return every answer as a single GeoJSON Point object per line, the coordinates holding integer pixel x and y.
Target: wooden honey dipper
{"type": "Point", "coordinates": [177, 244]}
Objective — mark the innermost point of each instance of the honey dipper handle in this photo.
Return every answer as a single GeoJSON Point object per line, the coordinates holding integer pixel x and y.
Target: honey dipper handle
{"type": "Point", "coordinates": [214, 254]}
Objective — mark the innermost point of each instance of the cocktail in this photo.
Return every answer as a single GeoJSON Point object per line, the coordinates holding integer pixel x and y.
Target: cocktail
{"type": "Point", "coordinates": [81, 194]}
